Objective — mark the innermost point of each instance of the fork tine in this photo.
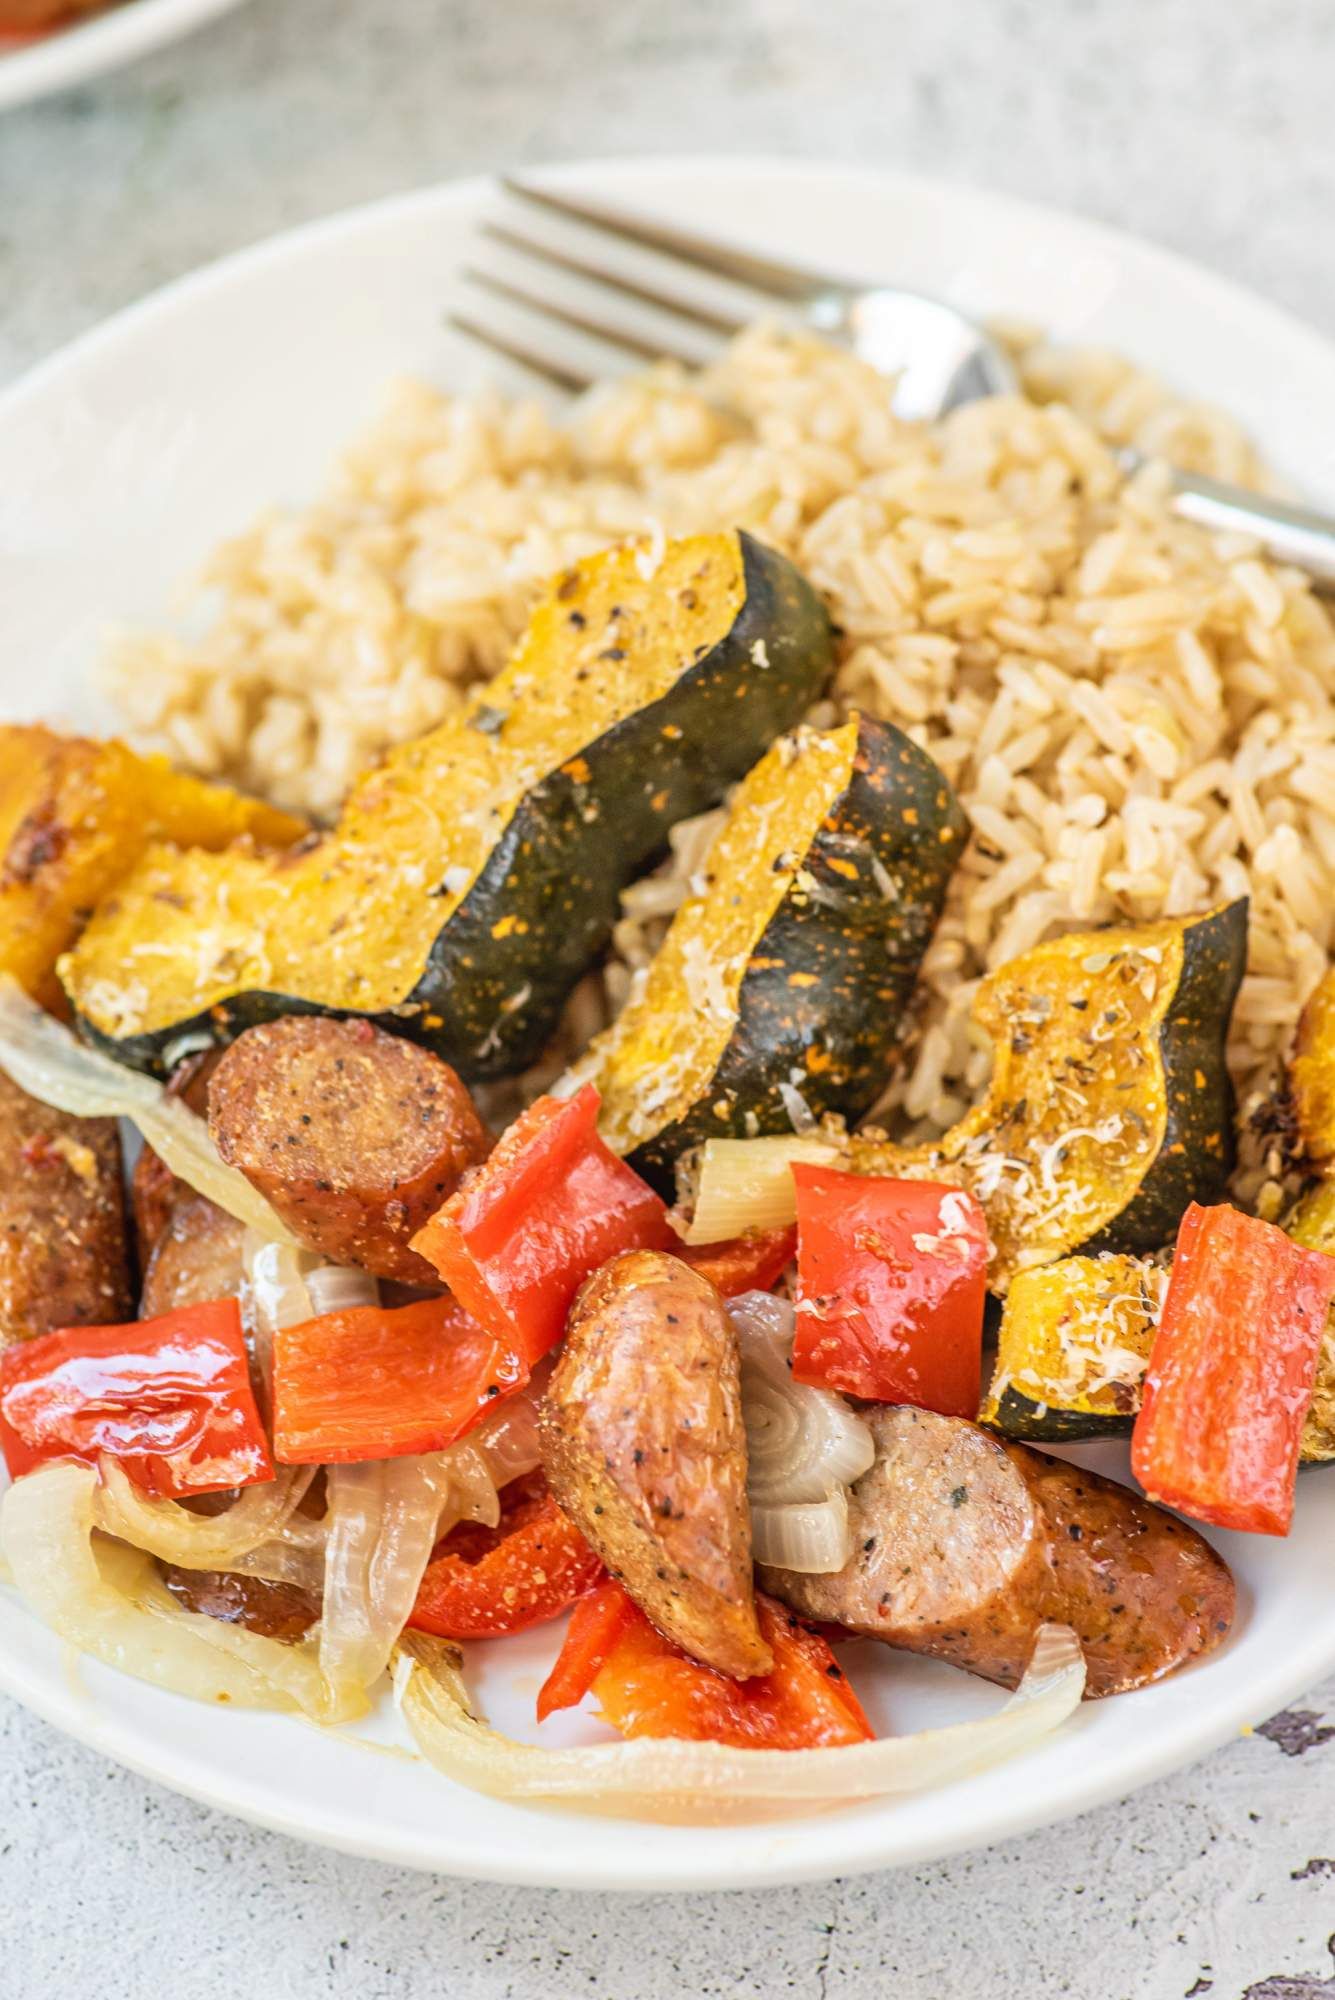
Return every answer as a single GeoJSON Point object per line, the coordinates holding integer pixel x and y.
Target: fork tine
{"type": "Point", "coordinates": [783, 281]}
{"type": "Point", "coordinates": [569, 379]}
{"type": "Point", "coordinates": [616, 336]}
{"type": "Point", "coordinates": [631, 288]}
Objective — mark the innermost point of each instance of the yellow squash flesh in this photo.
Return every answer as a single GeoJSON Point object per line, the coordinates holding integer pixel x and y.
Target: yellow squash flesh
{"type": "Point", "coordinates": [1312, 1076]}
{"type": "Point", "coordinates": [349, 922]}
{"type": "Point", "coordinates": [75, 818]}
{"type": "Point", "coordinates": [651, 1065]}
{"type": "Point", "coordinates": [1074, 1341]}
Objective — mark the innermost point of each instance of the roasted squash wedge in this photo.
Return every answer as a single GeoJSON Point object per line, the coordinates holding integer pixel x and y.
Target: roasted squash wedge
{"type": "Point", "coordinates": [1076, 1336]}
{"type": "Point", "coordinates": [782, 979]}
{"type": "Point", "coordinates": [475, 875]}
{"type": "Point", "coordinates": [1311, 1222]}
{"type": "Point", "coordinates": [75, 816]}
{"type": "Point", "coordinates": [1109, 1107]}
{"type": "Point", "coordinates": [1312, 1076]}
{"type": "Point", "coordinates": [1072, 1348]}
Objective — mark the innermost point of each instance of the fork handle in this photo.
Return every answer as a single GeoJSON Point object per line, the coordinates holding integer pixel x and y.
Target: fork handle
{"type": "Point", "coordinates": [1302, 536]}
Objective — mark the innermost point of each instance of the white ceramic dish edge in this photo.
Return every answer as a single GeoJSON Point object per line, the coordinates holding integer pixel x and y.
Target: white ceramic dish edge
{"type": "Point", "coordinates": [107, 41]}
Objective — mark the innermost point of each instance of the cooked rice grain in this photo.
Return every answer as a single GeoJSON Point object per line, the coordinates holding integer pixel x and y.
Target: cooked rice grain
{"type": "Point", "coordinates": [1139, 715]}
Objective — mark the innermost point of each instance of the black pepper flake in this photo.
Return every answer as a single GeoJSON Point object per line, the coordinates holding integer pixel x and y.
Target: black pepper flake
{"type": "Point", "coordinates": [959, 1495]}
{"type": "Point", "coordinates": [1075, 1531]}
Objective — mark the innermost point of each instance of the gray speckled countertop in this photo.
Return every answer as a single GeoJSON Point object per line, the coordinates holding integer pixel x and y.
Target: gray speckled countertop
{"type": "Point", "coordinates": [1206, 124]}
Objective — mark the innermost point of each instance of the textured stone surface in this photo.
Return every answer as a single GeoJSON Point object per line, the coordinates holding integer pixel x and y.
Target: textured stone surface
{"type": "Point", "coordinates": [1206, 125]}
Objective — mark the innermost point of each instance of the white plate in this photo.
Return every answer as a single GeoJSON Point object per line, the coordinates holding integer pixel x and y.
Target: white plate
{"type": "Point", "coordinates": [122, 460]}
{"type": "Point", "coordinates": [105, 41]}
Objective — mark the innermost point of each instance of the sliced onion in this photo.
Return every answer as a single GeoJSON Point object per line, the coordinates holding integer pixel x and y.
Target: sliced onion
{"type": "Point", "coordinates": [43, 1058]}
{"type": "Point", "coordinates": [472, 1494]}
{"type": "Point", "coordinates": [508, 1440]}
{"type": "Point", "coordinates": [166, 1529]}
{"type": "Point", "coordinates": [336, 1288]}
{"type": "Point", "coordinates": [108, 1600]}
{"type": "Point", "coordinates": [800, 1441]}
{"type": "Point", "coordinates": [291, 1557]}
{"type": "Point", "coordinates": [745, 1184]}
{"type": "Point", "coordinates": [810, 1536]}
{"type": "Point", "coordinates": [650, 1778]}
{"type": "Point", "coordinates": [276, 1275]}
{"type": "Point", "coordinates": [381, 1524]}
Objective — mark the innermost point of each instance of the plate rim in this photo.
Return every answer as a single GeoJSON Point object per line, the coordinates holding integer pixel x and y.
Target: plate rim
{"type": "Point", "coordinates": [1283, 324]}
{"type": "Point", "coordinates": [73, 54]}
{"type": "Point", "coordinates": [817, 1846]}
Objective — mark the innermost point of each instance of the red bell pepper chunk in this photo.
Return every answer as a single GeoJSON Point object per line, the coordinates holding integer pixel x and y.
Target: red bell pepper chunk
{"type": "Point", "coordinates": [381, 1382]}
{"type": "Point", "coordinates": [552, 1203]}
{"type": "Point", "coordinates": [594, 1628]}
{"type": "Point", "coordinates": [646, 1687]}
{"type": "Point", "coordinates": [1231, 1371]}
{"type": "Point", "coordinates": [484, 1582]}
{"type": "Point", "coordinates": [750, 1263]}
{"type": "Point", "coordinates": [892, 1281]}
{"type": "Point", "coordinates": [170, 1398]}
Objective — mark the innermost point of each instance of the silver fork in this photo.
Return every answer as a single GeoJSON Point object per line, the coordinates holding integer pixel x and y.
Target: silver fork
{"type": "Point", "coordinates": [647, 292]}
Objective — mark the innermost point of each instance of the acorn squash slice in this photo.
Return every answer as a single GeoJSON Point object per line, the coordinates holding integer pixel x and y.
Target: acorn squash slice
{"type": "Point", "coordinates": [75, 816]}
{"type": "Point", "coordinates": [1312, 1077]}
{"type": "Point", "coordinates": [781, 981]}
{"type": "Point", "coordinates": [1076, 1336]}
{"type": "Point", "coordinates": [1110, 1107]}
{"type": "Point", "coordinates": [476, 874]}
{"type": "Point", "coordinates": [1074, 1341]}
{"type": "Point", "coordinates": [1311, 1222]}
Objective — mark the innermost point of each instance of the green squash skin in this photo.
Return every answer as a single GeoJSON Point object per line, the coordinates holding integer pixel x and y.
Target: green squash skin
{"type": "Point", "coordinates": [861, 950]}
{"type": "Point", "coordinates": [1199, 1147]}
{"type": "Point", "coordinates": [573, 844]}
{"type": "Point", "coordinates": [1045, 1423]}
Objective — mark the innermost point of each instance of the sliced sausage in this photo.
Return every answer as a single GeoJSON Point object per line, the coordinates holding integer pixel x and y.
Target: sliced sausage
{"type": "Point", "coordinates": [197, 1257]}
{"type": "Point", "coordinates": [643, 1444]}
{"type": "Point", "coordinates": [63, 1255]}
{"type": "Point", "coordinates": [964, 1545]}
{"type": "Point", "coordinates": [154, 1188]}
{"type": "Point", "coordinates": [355, 1136]}
{"type": "Point", "coordinates": [274, 1610]}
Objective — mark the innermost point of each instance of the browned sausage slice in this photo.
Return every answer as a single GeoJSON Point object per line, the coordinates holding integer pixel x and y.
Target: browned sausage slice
{"type": "Point", "coordinates": [644, 1448]}
{"type": "Point", "coordinates": [154, 1188]}
{"type": "Point", "coordinates": [355, 1136]}
{"type": "Point", "coordinates": [63, 1259]}
{"type": "Point", "coordinates": [274, 1610]}
{"type": "Point", "coordinates": [197, 1257]}
{"type": "Point", "coordinates": [964, 1545]}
